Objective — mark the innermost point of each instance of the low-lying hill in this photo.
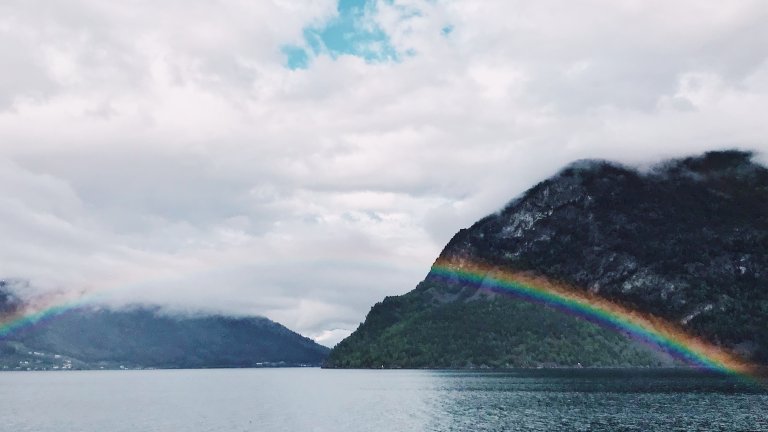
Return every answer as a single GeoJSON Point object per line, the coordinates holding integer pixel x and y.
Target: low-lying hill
{"type": "Point", "coordinates": [91, 337]}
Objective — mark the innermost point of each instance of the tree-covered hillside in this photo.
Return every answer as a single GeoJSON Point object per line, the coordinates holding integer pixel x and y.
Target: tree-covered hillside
{"type": "Point", "coordinates": [89, 337]}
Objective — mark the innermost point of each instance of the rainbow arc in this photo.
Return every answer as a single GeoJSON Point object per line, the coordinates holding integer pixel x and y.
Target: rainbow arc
{"type": "Point", "coordinates": [645, 328]}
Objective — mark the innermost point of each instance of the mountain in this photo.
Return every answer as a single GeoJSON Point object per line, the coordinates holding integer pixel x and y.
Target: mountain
{"type": "Point", "coordinates": [91, 337]}
{"type": "Point", "coordinates": [686, 240]}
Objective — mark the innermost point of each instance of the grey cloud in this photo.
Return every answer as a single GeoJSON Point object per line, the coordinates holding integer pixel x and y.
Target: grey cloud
{"type": "Point", "coordinates": [23, 74]}
{"type": "Point", "coordinates": [164, 154]}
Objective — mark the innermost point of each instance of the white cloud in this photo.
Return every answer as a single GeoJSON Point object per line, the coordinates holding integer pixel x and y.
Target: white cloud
{"type": "Point", "coordinates": [164, 153]}
{"type": "Point", "coordinates": [331, 337]}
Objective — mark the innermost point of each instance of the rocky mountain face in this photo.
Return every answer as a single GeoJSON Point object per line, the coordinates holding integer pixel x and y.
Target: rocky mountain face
{"type": "Point", "coordinates": [90, 338]}
{"type": "Point", "coordinates": [686, 240]}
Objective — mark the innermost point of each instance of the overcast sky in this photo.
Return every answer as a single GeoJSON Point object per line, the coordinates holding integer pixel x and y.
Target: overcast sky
{"type": "Point", "coordinates": [303, 159]}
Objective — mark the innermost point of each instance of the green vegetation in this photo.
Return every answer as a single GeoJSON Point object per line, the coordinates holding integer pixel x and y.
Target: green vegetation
{"type": "Point", "coordinates": [480, 333]}
{"type": "Point", "coordinates": [92, 338]}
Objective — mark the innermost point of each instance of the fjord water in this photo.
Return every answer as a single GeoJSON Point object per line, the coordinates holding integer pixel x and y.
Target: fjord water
{"type": "Point", "coordinates": [378, 400]}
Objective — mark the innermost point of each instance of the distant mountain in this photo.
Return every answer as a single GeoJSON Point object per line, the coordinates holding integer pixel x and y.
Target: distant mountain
{"type": "Point", "coordinates": [89, 337]}
{"type": "Point", "coordinates": [686, 240]}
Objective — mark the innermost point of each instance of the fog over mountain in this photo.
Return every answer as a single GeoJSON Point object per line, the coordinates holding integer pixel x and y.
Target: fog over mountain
{"type": "Point", "coordinates": [301, 160]}
{"type": "Point", "coordinates": [90, 337]}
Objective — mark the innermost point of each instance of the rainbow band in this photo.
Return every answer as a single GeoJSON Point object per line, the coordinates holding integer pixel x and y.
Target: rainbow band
{"type": "Point", "coordinates": [645, 328]}
{"type": "Point", "coordinates": [44, 309]}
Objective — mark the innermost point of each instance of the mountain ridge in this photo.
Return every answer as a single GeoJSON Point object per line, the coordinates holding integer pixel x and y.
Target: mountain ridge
{"type": "Point", "coordinates": [93, 337]}
{"type": "Point", "coordinates": [686, 240]}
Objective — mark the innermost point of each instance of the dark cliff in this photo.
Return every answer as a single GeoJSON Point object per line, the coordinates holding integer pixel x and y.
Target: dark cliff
{"type": "Point", "coordinates": [686, 240]}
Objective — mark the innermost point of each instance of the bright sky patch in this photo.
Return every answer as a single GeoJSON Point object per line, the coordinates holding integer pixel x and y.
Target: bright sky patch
{"type": "Point", "coordinates": [352, 32]}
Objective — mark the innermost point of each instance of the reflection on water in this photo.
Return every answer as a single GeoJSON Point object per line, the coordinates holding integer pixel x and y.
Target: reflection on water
{"type": "Point", "coordinates": [362, 400]}
{"type": "Point", "coordinates": [598, 400]}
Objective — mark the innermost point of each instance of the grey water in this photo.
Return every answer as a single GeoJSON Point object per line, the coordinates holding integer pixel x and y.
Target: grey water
{"type": "Point", "coordinates": [378, 400]}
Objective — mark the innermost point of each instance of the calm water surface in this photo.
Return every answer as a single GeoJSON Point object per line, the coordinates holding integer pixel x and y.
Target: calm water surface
{"type": "Point", "coordinates": [343, 400]}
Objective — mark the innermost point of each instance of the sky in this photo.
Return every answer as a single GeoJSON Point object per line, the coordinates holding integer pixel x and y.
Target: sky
{"type": "Point", "coordinates": [301, 160]}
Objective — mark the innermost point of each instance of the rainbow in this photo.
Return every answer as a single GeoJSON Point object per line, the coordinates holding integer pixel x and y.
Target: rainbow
{"type": "Point", "coordinates": [645, 328]}
{"type": "Point", "coordinates": [42, 310]}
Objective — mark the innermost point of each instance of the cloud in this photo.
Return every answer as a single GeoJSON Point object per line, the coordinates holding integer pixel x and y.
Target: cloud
{"type": "Point", "coordinates": [169, 154]}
